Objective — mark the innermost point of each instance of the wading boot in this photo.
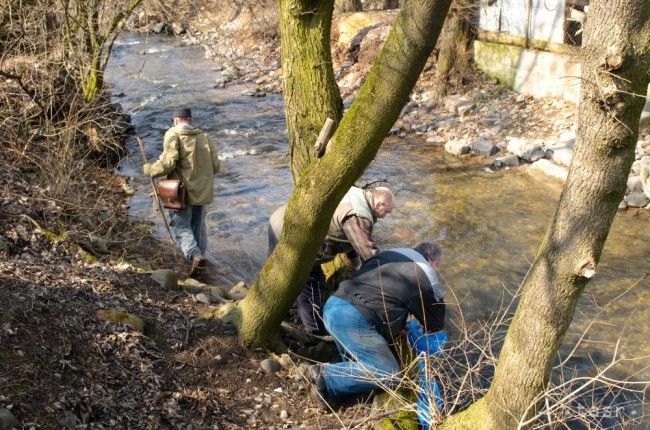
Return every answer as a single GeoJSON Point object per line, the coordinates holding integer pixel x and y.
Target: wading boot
{"type": "Point", "coordinates": [198, 264]}
{"type": "Point", "coordinates": [318, 389]}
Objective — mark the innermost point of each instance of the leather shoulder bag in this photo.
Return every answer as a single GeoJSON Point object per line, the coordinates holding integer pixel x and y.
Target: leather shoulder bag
{"type": "Point", "coordinates": [171, 192]}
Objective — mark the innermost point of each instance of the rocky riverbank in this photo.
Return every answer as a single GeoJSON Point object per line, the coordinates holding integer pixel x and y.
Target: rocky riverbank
{"type": "Point", "coordinates": [478, 118]}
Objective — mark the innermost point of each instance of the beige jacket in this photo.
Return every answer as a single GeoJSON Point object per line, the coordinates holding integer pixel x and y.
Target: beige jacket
{"type": "Point", "coordinates": [196, 157]}
{"type": "Point", "coordinates": [350, 229]}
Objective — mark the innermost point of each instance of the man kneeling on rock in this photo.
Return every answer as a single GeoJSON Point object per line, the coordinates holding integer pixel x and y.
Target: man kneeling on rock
{"type": "Point", "coordinates": [350, 232]}
{"type": "Point", "coordinates": [370, 310]}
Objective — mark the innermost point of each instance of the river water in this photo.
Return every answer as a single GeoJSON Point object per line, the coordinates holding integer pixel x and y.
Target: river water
{"type": "Point", "coordinates": [489, 223]}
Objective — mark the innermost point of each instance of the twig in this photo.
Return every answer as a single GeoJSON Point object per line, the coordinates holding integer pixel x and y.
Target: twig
{"type": "Point", "coordinates": [155, 192]}
{"type": "Point", "coordinates": [324, 137]}
{"type": "Point", "coordinates": [355, 422]}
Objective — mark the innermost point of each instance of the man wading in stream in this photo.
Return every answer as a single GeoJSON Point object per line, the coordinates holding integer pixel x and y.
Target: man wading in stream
{"type": "Point", "coordinates": [350, 232]}
{"type": "Point", "coordinates": [189, 155]}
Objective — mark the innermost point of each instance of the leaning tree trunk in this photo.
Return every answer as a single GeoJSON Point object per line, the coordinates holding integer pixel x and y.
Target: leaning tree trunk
{"type": "Point", "coordinates": [616, 67]}
{"type": "Point", "coordinates": [324, 181]}
{"type": "Point", "coordinates": [390, 4]}
{"type": "Point", "coordinates": [311, 94]}
{"type": "Point", "coordinates": [344, 6]}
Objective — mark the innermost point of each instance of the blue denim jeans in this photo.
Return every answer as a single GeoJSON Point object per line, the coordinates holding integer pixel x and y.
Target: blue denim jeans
{"type": "Point", "coordinates": [189, 230]}
{"type": "Point", "coordinates": [368, 360]}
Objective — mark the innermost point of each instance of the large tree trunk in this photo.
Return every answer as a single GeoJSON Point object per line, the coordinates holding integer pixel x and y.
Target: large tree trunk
{"type": "Point", "coordinates": [390, 4]}
{"type": "Point", "coordinates": [344, 6]}
{"type": "Point", "coordinates": [324, 181]}
{"type": "Point", "coordinates": [616, 65]}
{"type": "Point", "coordinates": [311, 94]}
{"type": "Point", "coordinates": [453, 45]}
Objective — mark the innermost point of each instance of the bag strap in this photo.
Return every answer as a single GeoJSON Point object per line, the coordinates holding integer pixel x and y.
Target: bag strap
{"type": "Point", "coordinates": [177, 168]}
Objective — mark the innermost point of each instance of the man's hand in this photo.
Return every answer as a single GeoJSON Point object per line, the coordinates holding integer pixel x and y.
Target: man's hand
{"type": "Point", "coordinates": [146, 168]}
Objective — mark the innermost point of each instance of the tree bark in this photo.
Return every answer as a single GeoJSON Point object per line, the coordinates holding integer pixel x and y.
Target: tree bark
{"type": "Point", "coordinates": [311, 94]}
{"type": "Point", "coordinates": [453, 45]}
{"type": "Point", "coordinates": [324, 181]}
{"type": "Point", "coordinates": [616, 66]}
{"type": "Point", "coordinates": [391, 4]}
{"type": "Point", "coordinates": [345, 6]}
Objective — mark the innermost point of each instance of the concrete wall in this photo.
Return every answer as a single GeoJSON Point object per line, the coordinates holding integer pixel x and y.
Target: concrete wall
{"type": "Point", "coordinates": [530, 71]}
{"type": "Point", "coordinates": [511, 16]}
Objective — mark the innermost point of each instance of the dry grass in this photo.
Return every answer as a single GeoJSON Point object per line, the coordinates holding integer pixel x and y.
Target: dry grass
{"type": "Point", "coordinates": [576, 398]}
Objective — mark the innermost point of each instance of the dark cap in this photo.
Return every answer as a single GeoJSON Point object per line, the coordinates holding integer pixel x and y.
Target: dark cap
{"type": "Point", "coordinates": [182, 113]}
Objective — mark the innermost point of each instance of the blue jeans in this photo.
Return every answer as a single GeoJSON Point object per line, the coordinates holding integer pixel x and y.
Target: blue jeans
{"type": "Point", "coordinates": [369, 362]}
{"type": "Point", "coordinates": [189, 230]}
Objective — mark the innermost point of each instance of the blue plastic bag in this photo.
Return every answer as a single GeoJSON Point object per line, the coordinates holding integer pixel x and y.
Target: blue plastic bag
{"type": "Point", "coordinates": [426, 344]}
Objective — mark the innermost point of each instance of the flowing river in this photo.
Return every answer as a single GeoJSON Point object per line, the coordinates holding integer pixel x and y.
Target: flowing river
{"type": "Point", "coordinates": [490, 224]}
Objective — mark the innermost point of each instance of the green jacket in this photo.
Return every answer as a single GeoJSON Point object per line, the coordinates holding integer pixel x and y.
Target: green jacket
{"type": "Point", "coordinates": [198, 162]}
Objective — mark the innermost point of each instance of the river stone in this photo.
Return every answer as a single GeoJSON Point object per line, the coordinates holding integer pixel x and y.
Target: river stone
{"type": "Point", "coordinates": [127, 189]}
{"type": "Point", "coordinates": [166, 278]}
{"type": "Point", "coordinates": [644, 173]}
{"type": "Point", "coordinates": [202, 298]}
{"type": "Point", "coordinates": [434, 138]}
{"type": "Point", "coordinates": [458, 105]}
{"type": "Point", "coordinates": [524, 149]}
{"type": "Point", "coordinates": [562, 156]}
{"type": "Point", "coordinates": [634, 183]}
{"type": "Point", "coordinates": [551, 169]}
{"type": "Point", "coordinates": [510, 160]}
{"type": "Point", "coordinates": [567, 139]}
{"type": "Point", "coordinates": [178, 28]}
{"type": "Point", "coordinates": [645, 120]}
{"type": "Point", "coordinates": [253, 93]}
{"type": "Point", "coordinates": [637, 200]}
{"type": "Point", "coordinates": [218, 293]}
{"type": "Point", "coordinates": [458, 147]}
{"type": "Point", "coordinates": [483, 146]}
{"type": "Point", "coordinates": [270, 365]}
{"type": "Point", "coordinates": [160, 28]}
{"type": "Point", "coordinates": [239, 290]}
{"type": "Point", "coordinates": [231, 73]}
{"type": "Point", "coordinates": [8, 420]}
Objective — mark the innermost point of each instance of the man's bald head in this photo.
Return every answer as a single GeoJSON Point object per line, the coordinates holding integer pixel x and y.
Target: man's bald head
{"type": "Point", "coordinates": [383, 201]}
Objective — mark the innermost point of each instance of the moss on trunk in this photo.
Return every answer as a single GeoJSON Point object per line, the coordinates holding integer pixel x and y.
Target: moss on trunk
{"type": "Point", "coordinates": [310, 90]}
{"type": "Point", "coordinates": [324, 181]}
{"type": "Point", "coordinates": [616, 65]}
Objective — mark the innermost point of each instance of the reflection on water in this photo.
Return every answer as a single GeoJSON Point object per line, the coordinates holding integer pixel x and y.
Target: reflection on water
{"type": "Point", "coordinates": [489, 223]}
